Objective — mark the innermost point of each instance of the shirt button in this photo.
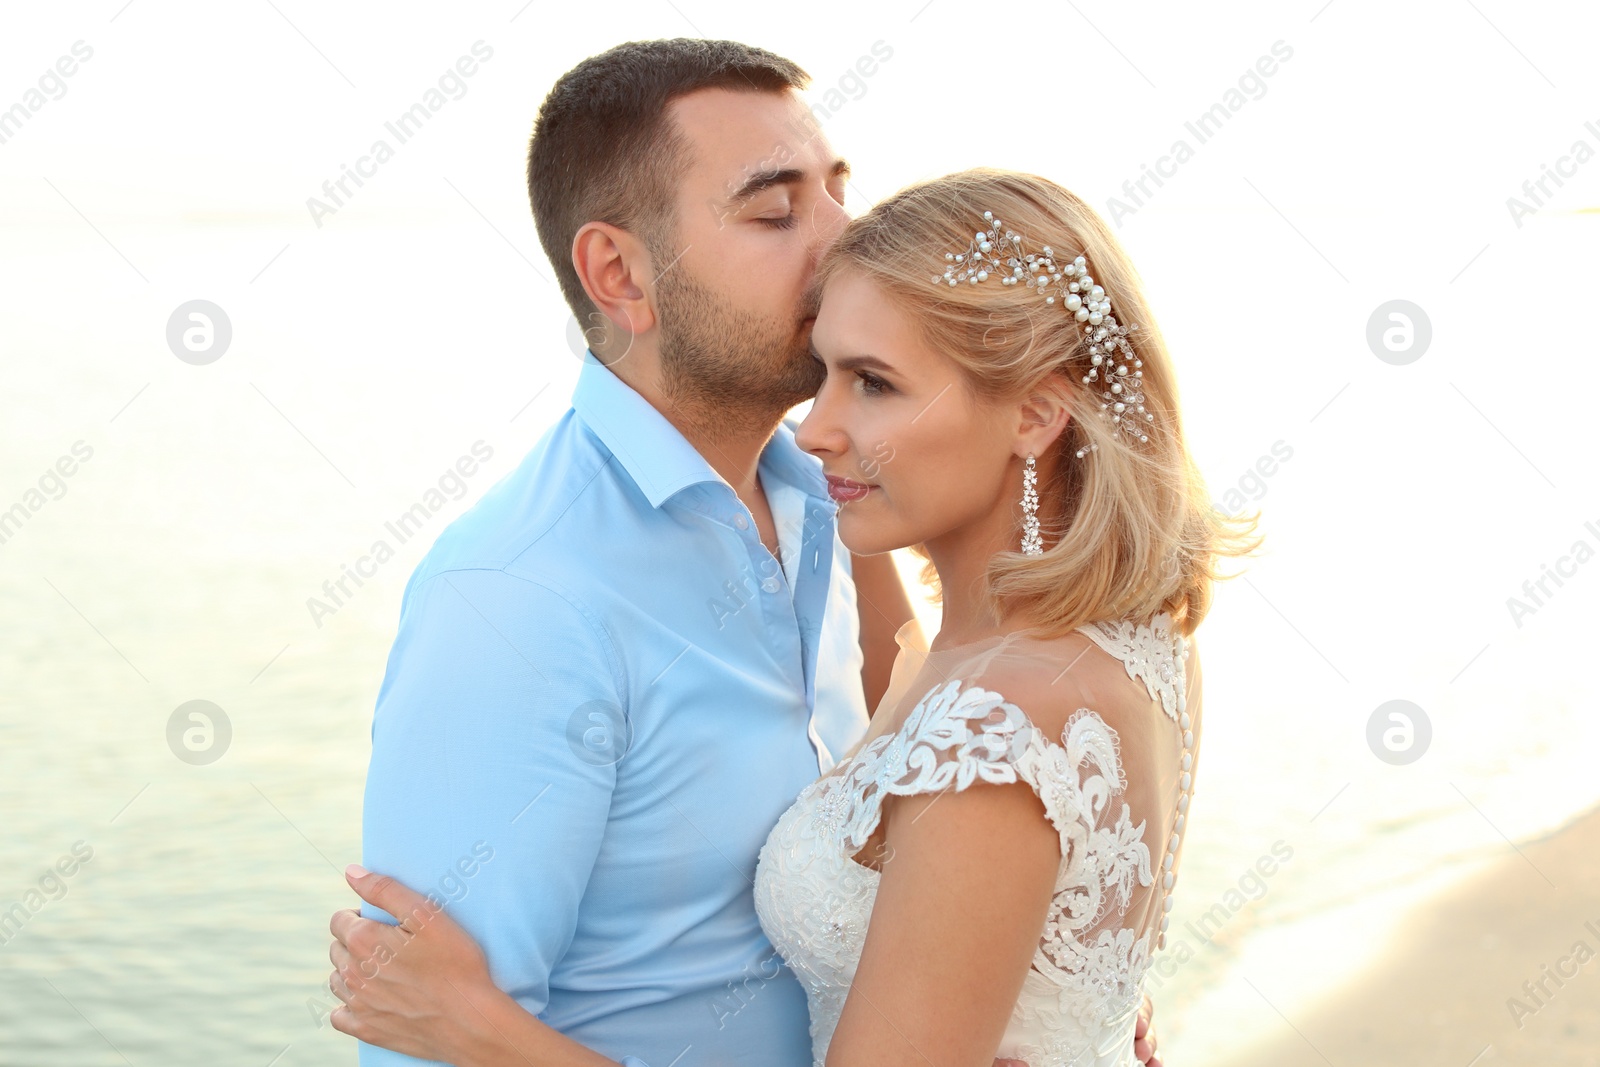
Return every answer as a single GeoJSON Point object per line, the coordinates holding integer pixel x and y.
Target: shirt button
{"type": "Point", "coordinates": [770, 585]}
{"type": "Point", "coordinates": [741, 522]}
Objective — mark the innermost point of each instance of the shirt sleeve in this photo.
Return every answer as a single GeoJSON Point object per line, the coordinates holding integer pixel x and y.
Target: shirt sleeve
{"type": "Point", "coordinates": [494, 748]}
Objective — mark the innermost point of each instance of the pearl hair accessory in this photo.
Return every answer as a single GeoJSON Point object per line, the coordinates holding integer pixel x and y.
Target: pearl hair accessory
{"type": "Point", "coordinates": [999, 252]}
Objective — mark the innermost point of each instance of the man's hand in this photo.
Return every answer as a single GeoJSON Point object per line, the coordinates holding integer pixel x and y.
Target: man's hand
{"type": "Point", "coordinates": [1144, 1035]}
{"type": "Point", "coordinates": [421, 987]}
{"type": "Point", "coordinates": [1144, 1039]}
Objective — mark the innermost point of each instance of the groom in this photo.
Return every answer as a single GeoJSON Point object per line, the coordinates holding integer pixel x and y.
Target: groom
{"type": "Point", "coordinates": [616, 671]}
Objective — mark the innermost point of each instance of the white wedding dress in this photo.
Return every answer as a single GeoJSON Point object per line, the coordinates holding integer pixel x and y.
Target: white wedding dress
{"type": "Point", "coordinates": [1102, 723]}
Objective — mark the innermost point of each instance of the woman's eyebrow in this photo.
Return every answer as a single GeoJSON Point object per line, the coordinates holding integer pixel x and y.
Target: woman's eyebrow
{"type": "Point", "coordinates": [855, 362]}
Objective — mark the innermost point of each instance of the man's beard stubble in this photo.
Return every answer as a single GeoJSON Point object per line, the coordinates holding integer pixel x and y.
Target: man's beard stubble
{"type": "Point", "coordinates": [725, 371]}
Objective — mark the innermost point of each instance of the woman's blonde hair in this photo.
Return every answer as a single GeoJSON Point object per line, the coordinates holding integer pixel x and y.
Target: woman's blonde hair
{"type": "Point", "coordinates": [1129, 529]}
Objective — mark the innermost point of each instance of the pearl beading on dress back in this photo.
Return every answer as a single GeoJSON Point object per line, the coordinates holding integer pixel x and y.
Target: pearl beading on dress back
{"type": "Point", "coordinates": [1153, 666]}
{"type": "Point", "coordinates": [1185, 785]}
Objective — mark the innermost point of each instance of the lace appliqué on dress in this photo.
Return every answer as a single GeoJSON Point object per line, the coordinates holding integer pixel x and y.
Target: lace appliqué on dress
{"type": "Point", "coordinates": [1083, 990]}
{"type": "Point", "coordinates": [1152, 654]}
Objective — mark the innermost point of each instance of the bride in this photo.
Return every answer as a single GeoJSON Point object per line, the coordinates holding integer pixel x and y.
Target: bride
{"type": "Point", "coordinates": [989, 872]}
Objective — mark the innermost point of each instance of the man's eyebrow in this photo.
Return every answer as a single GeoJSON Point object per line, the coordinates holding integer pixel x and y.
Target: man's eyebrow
{"type": "Point", "coordinates": [786, 176]}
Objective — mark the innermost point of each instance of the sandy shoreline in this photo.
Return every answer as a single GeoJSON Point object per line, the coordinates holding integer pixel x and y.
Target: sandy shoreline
{"type": "Point", "coordinates": [1504, 968]}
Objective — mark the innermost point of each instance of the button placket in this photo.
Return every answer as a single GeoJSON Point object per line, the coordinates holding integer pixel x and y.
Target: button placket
{"type": "Point", "coordinates": [1185, 782]}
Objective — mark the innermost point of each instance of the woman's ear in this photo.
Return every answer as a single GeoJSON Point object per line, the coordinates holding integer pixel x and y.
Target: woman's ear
{"type": "Point", "coordinates": [1043, 416]}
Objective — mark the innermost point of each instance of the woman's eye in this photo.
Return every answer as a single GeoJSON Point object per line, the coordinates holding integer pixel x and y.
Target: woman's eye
{"type": "Point", "coordinates": [871, 384]}
{"type": "Point", "coordinates": [783, 224]}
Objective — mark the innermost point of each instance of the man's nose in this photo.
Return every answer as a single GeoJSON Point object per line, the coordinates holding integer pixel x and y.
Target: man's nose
{"type": "Point", "coordinates": [828, 220]}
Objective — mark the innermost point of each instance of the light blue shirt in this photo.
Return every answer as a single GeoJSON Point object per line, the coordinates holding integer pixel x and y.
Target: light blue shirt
{"type": "Point", "coordinates": [603, 694]}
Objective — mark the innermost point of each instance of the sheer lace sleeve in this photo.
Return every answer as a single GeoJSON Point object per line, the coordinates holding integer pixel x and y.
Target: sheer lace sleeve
{"type": "Point", "coordinates": [1099, 725]}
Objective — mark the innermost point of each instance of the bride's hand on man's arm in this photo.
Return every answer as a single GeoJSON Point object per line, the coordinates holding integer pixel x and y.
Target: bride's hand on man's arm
{"type": "Point", "coordinates": [423, 988]}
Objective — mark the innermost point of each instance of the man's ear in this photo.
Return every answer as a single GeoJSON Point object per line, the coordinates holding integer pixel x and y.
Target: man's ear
{"type": "Point", "coordinates": [1043, 416]}
{"type": "Point", "coordinates": [615, 269]}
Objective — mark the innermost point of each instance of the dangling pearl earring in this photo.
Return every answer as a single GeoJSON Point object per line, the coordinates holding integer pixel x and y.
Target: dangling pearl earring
{"type": "Point", "coordinates": [1032, 545]}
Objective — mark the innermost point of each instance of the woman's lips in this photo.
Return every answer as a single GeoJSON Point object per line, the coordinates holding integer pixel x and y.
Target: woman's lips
{"type": "Point", "coordinates": [844, 490]}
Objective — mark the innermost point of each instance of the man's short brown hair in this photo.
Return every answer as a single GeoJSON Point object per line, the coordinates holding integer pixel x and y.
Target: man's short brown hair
{"type": "Point", "coordinates": [603, 149]}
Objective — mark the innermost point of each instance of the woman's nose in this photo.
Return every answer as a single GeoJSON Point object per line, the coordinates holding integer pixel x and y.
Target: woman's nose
{"type": "Point", "coordinates": [818, 433]}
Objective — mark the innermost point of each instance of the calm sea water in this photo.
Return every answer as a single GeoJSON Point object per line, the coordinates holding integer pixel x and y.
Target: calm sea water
{"type": "Point", "coordinates": [175, 564]}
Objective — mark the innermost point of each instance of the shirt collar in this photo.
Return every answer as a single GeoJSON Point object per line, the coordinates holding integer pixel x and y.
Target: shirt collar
{"type": "Point", "coordinates": [659, 459]}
